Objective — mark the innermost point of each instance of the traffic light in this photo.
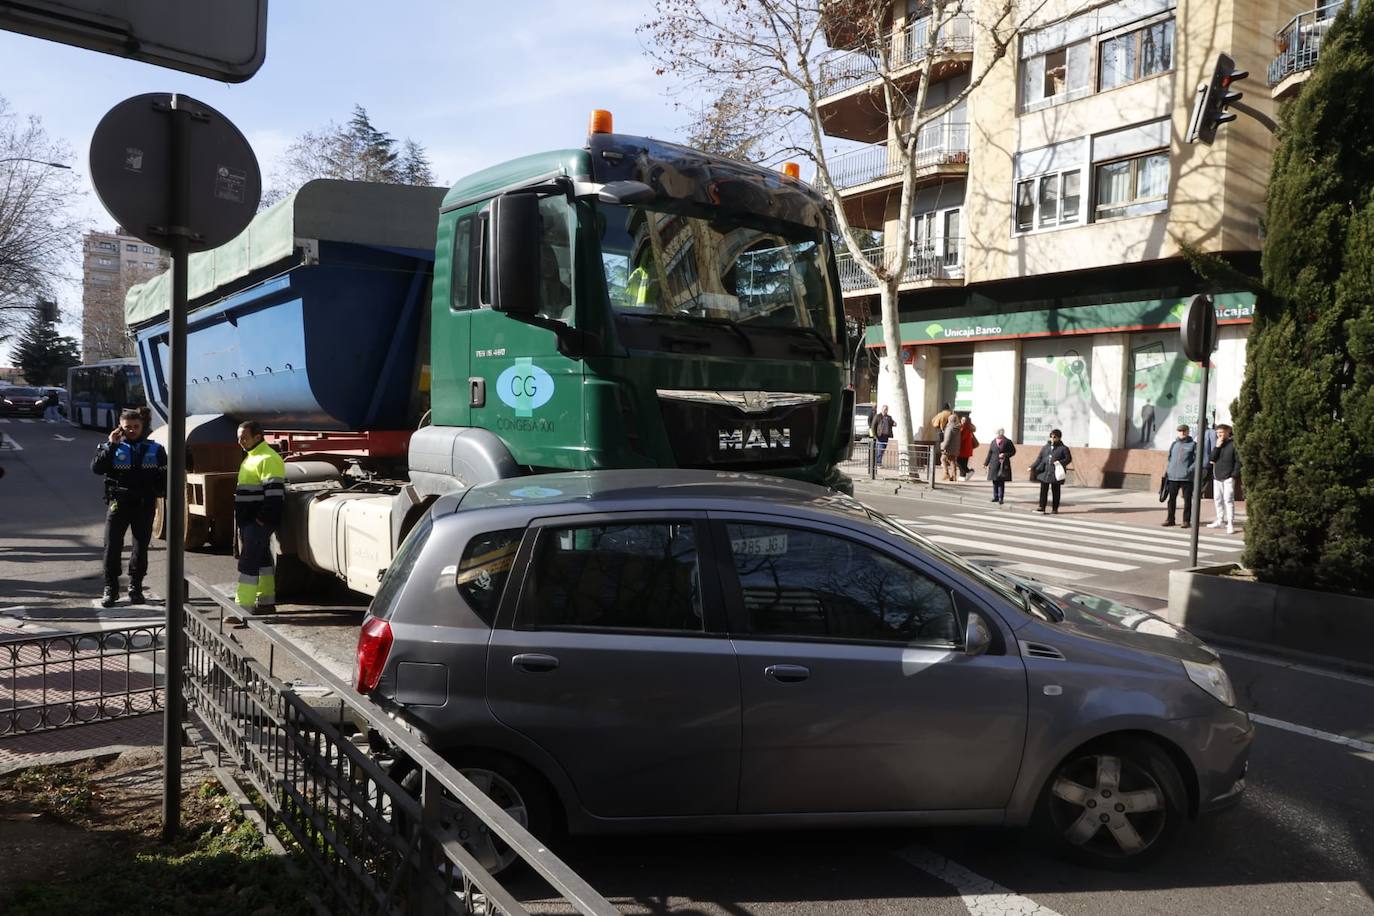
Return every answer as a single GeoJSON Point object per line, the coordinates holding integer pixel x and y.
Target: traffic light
{"type": "Point", "coordinates": [1213, 100]}
{"type": "Point", "coordinates": [47, 310]}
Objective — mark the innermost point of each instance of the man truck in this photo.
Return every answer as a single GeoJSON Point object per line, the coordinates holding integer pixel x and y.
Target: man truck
{"type": "Point", "coordinates": [628, 304]}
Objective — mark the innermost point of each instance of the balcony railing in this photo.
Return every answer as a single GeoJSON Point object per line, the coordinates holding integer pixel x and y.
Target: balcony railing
{"type": "Point", "coordinates": [1299, 43]}
{"type": "Point", "coordinates": [938, 144]}
{"type": "Point", "coordinates": [854, 68]}
{"type": "Point", "coordinates": [938, 260]}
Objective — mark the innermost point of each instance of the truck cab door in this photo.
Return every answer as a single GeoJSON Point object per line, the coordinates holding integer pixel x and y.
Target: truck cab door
{"type": "Point", "coordinates": [532, 394]}
{"type": "Point", "coordinates": [457, 263]}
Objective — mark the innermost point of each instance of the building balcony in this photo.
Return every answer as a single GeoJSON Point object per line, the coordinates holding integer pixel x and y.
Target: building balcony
{"type": "Point", "coordinates": [1298, 45]}
{"type": "Point", "coordinates": [866, 177]}
{"type": "Point", "coordinates": [851, 104]}
{"type": "Point", "coordinates": [939, 263]}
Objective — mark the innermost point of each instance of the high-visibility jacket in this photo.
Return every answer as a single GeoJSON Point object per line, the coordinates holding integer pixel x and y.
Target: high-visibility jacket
{"type": "Point", "coordinates": [261, 488]}
{"type": "Point", "coordinates": [640, 289]}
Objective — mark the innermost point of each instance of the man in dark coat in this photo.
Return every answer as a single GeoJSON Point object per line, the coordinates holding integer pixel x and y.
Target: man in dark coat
{"type": "Point", "coordinates": [881, 429]}
{"type": "Point", "coordinates": [998, 463]}
{"type": "Point", "coordinates": [135, 471]}
{"type": "Point", "coordinates": [1225, 472]}
{"type": "Point", "coordinates": [1178, 475]}
{"type": "Point", "coordinates": [1054, 452]}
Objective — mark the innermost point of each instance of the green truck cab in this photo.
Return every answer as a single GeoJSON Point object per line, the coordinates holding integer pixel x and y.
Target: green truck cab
{"type": "Point", "coordinates": [638, 304]}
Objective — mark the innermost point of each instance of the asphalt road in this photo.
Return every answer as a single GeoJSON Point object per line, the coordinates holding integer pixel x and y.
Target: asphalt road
{"type": "Point", "coordinates": [1300, 842]}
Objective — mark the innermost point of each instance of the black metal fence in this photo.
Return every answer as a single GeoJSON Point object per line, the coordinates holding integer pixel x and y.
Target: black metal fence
{"type": "Point", "coordinates": [873, 460]}
{"type": "Point", "coordinates": [377, 847]}
{"type": "Point", "coordinates": [66, 679]}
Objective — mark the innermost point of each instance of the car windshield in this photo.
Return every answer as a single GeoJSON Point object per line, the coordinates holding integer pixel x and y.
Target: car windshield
{"type": "Point", "coordinates": [22, 393]}
{"type": "Point", "coordinates": [986, 577]}
{"type": "Point", "coordinates": [687, 263]}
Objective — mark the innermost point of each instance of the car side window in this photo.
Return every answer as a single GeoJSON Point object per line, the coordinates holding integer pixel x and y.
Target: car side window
{"type": "Point", "coordinates": [642, 576]}
{"type": "Point", "coordinates": [485, 568]}
{"type": "Point", "coordinates": [795, 582]}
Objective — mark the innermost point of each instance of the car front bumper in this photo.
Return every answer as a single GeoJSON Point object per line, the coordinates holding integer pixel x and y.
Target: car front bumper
{"type": "Point", "coordinates": [1221, 754]}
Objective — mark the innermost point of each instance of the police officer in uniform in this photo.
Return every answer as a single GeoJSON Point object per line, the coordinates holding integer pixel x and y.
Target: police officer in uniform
{"type": "Point", "coordinates": [258, 500]}
{"type": "Point", "coordinates": [135, 470]}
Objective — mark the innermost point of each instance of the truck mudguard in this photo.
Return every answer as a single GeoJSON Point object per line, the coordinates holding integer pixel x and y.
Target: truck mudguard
{"type": "Point", "coordinates": [449, 459]}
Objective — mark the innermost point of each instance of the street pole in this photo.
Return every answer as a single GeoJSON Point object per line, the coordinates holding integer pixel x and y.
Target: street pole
{"type": "Point", "coordinates": [1201, 460]}
{"type": "Point", "coordinates": [174, 505]}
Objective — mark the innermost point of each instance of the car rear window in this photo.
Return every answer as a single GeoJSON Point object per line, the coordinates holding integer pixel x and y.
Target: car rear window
{"type": "Point", "coordinates": [399, 571]}
{"type": "Point", "coordinates": [485, 569]}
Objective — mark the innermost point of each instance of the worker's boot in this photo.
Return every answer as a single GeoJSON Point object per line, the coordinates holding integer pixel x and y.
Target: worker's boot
{"type": "Point", "coordinates": [111, 596]}
{"type": "Point", "coordinates": [136, 595]}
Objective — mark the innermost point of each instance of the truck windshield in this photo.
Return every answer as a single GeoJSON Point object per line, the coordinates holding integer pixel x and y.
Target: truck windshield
{"type": "Point", "coordinates": [715, 265]}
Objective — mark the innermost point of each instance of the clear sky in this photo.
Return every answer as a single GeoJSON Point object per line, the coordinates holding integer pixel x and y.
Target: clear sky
{"type": "Point", "coordinates": [475, 82]}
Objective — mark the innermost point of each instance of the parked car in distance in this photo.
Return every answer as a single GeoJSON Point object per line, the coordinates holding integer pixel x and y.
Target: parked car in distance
{"type": "Point", "coordinates": [667, 650]}
{"type": "Point", "coordinates": [863, 418]}
{"type": "Point", "coordinates": [22, 401]}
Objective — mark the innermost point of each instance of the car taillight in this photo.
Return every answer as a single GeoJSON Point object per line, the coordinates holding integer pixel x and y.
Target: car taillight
{"type": "Point", "coordinates": [374, 644]}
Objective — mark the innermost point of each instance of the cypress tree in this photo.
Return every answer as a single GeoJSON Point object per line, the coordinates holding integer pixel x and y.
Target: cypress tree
{"type": "Point", "coordinates": [1305, 417]}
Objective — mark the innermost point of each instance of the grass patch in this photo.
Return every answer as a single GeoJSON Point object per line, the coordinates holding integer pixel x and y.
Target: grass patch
{"type": "Point", "coordinates": [219, 864]}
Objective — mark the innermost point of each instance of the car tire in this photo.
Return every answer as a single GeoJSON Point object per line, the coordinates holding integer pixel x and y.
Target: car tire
{"type": "Point", "coordinates": [512, 785]}
{"type": "Point", "coordinates": [1116, 804]}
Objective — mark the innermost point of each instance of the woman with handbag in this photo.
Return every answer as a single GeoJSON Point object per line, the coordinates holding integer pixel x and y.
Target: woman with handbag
{"type": "Point", "coordinates": [1050, 468]}
{"type": "Point", "coordinates": [998, 463]}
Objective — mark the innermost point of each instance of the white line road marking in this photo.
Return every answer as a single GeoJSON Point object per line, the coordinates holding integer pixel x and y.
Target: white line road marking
{"type": "Point", "coordinates": [12, 445]}
{"type": "Point", "coordinates": [981, 896]}
{"type": "Point", "coordinates": [1161, 536]}
{"type": "Point", "coordinates": [1030, 569]}
{"type": "Point", "coordinates": [1355, 743]}
{"type": "Point", "coordinates": [995, 539]}
{"type": "Point", "coordinates": [1279, 662]}
{"type": "Point", "coordinates": [61, 438]}
{"type": "Point", "coordinates": [1135, 542]}
{"type": "Point", "coordinates": [1038, 554]}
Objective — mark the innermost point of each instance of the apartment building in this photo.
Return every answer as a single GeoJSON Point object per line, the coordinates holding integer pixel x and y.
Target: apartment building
{"type": "Point", "coordinates": [111, 263]}
{"type": "Point", "coordinates": [1047, 271]}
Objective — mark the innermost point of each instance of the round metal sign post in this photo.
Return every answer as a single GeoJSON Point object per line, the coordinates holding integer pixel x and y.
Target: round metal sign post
{"type": "Point", "coordinates": [1199, 332]}
{"type": "Point", "coordinates": [177, 174]}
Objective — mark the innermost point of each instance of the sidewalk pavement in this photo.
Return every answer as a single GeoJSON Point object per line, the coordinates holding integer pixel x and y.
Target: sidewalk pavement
{"type": "Point", "coordinates": [1131, 507]}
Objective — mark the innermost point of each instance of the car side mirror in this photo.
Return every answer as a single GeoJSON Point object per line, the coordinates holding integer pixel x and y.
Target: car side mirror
{"type": "Point", "coordinates": [977, 636]}
{"type": "Point", "coordinates": [514, 262]}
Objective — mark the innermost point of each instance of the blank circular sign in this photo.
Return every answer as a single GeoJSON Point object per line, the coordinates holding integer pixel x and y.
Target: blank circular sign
{"type": "Point", "coordinates": [131, 163]}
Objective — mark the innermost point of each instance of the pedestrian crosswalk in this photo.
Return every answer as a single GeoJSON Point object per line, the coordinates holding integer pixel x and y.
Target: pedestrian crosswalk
{"type": "Point", "coordinates": [1066, 549]}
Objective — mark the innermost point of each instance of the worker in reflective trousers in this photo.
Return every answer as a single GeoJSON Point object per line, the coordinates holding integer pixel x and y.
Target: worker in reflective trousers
{"type": "Point", "coordinates": [258, 501]}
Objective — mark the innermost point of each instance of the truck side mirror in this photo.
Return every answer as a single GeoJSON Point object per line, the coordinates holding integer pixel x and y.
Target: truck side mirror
{"type": "Point", "coordinates": [515, 254]}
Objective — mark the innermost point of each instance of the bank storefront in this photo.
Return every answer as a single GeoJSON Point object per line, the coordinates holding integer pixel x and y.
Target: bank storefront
{"type": "Point", "coordinates": [1112, 377]}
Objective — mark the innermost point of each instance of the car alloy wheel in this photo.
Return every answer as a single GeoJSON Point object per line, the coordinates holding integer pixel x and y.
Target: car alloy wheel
{"type": "Point", "coordinates": [1116, 805]}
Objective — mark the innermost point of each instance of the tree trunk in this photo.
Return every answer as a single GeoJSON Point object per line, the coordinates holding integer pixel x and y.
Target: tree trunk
{"type": "Point", "coordinates": [892, 339]}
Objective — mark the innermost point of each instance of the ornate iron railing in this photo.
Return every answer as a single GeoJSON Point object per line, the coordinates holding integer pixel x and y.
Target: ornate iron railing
{"type": "Point", "coordinates": [940, 144]}
{"type": "Point", "coordinates": [376, 847]}
{"type": "Point", "coordinates": [65, 679]}
{"type": "Point", "coordinates": [913, 43]}
{"type": "Point", "coordinates": [938, 260]}
{"type": "Point", "coordinates": [1299, 43]}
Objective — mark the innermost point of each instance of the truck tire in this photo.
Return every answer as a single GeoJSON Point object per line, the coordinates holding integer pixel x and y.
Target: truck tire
{"type": "Point", "coordinates": [294, 578]}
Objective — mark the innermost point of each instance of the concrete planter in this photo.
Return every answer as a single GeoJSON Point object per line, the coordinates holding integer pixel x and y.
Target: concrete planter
{"type": "Point", "coordinates": [1207, 600]}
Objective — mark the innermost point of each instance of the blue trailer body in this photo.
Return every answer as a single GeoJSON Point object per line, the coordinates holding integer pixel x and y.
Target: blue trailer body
{"type": "Point", "coordinates": [333, 343]}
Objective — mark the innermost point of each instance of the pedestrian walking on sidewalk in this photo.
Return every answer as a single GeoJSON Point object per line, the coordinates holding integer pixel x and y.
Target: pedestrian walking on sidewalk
{"type": "Point", "coordinates": [1178, 475]}
{"type": "Point", "coordinates": [939, 421]}
{"type": "Point", "coordinates": [1225, 472]}
{"type": "Point", "coordinates": [881, 428]}
{"type": "Point", "coordinates": [998, 463]}
{"type": "Point", "coordinates": [258, 501]}
{"type": "Point", "coordinates": [967, 443]}
{"type": "Point", "coordinates": [949, 447]}
{"type": "Point", "coordinates": [1050, 468]}
{"type": "Point", "coordinates": [135, 471]}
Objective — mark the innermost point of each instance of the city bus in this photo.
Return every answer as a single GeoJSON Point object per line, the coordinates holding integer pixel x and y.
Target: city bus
{"type": "Point", "coordinates": [98, 392]}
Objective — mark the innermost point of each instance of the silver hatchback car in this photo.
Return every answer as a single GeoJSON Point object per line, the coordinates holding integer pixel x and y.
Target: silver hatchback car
{"type": "Point", "coordinates": [681, 650]}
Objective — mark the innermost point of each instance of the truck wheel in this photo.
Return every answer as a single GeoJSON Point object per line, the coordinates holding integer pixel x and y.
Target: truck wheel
{"type": "Point", "coordinates": [294, 578]}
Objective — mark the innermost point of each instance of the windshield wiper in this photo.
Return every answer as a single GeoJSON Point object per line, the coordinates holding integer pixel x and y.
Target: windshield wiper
{"type": "Point", "coordinates": [729, 323]}
{"type": "Point", "coordinates": [829, 350]}
{"type": "Point", "coordinates": [1030, 595]}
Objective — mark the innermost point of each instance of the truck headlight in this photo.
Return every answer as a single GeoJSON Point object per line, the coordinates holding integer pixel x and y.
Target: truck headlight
{"type": "Point", "coordinates": [1212, 678]}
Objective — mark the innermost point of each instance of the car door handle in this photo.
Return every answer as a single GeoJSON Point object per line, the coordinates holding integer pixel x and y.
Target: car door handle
{"type": "Point", "coordinates": [533, 662]}
{"type": "Point", "coordinates": [787, 674]}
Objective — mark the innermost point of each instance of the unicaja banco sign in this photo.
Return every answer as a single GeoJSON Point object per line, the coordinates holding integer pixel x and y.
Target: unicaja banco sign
{"type": "Point", "coordinates": [1150, 314]}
